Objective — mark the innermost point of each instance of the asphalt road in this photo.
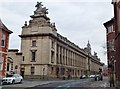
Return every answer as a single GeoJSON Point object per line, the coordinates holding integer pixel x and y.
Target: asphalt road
{"type": "Point", "coordinates": [73, 84]}
{"type": "Point", "coordinates": [65, 84]}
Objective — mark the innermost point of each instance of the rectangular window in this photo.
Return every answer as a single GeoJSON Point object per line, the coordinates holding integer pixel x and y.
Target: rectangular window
{"type": "Point", "coordinates": [8, 66]}
{"type": "Point", "coordinates": [3, 40]}
{"type": "Point", "coordinates": [60, 59]}
{"type": "Point", "coordinates": [110, 29]}
{"type": "Point", "coordinates": [57, 59]}
{"type": "Point", "coordinates": [62, 71]}
{"type": "Point", "coordinates": [60, 50]}
{"type": "Point", "coordinates": [52, 57]}
{"type": "Point", "coordinates": [33, 56]}
{"type": "Point", "coordinates": [52, 70]}
{"type": "Point", "coordinates": [23, 58]}
{"type": "Point", "coordinates": [110, 45]}
{"type": "Point", "coordinates": [52, 44]}
{"type": "Point", "coordinates": [0, 67]}
{"type": "Point", "coordinates": [57, 48]}
{"type": "Point", "coordinates": [32, 70]}
{"type": "Point", "coordinates": [34, 43]}
{"type": "Point", "coordinates": [11, 66]}
{"type": "Point", "coordinates": [1, 62]}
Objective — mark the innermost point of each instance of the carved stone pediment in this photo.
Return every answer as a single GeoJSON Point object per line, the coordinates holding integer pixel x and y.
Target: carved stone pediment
{"type": "Point", "coordinates": [39, 22]}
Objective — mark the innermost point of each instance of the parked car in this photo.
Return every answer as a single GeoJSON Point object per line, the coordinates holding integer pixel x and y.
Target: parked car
{"type": "Point", "coordinates": [12, 78]}
{"type": "Point", "coordinates": [83, 77]}
{"type": "Point", "coordinates": [92, 76]}
{"type": "Point", "coordinates": [97, 77]}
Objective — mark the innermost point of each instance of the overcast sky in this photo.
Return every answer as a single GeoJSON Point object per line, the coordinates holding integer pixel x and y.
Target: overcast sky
{"type": "Point", "coordinates": [78, 20]}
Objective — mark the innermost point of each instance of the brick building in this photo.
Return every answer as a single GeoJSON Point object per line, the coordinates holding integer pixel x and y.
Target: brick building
{"type": "Point", "coordinates": [116, 4]}
{"type": "Point", "coordinates": [4, 42]}
{"type": "Point", "coordinates": [110, 38]}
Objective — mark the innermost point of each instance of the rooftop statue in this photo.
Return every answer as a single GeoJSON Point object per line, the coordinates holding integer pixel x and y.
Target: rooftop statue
{"type": "Point", "coordinates": [40, 9]}
{"type": "Point", "coordinates": [39, 6]}
{"type": "Point", "coordinates": [44, 10]}
{"type": "Point", "coordinates": [95, 54]}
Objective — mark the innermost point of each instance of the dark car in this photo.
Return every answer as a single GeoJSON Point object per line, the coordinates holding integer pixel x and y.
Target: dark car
{"type": "Point", "coordinates": [83, 77]}
{"type": "Point", "coordinates": [98, 77]}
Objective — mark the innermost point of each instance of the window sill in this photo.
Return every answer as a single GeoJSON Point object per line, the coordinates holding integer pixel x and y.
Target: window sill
{"type": "Point", "coordinates": [2, 46]}
{"type": "Point", "coordinates": [33, 46]}
{"type": "Point", "coordinates": [33, 61]}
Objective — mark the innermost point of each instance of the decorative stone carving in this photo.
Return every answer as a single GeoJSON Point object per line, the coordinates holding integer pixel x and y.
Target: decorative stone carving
{"type": "Point", "coordinates": [95, 54]}
{"type": "Point", "coordinates": [40, 10]}
{"type": "Point", "coordinates": [25, 23]}
{"type": "Point", "coordinates": [39, 5]}
{"type": "Point", "coordinates": [44, 10]}
{"type": "Point", "coordinates": [39, 22]}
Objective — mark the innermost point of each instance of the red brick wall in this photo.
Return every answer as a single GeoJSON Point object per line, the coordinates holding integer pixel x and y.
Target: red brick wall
{"type": "Point", "coordinates": [4, 49]}
{"type": "Point", "coordinates": [111, 36]}
{"type": "Point", "coordinates": [0, 38]}
{"type": "Point", "coordinates": [110, 53]}
{"type": "Point", "coordinates": [117, 41]}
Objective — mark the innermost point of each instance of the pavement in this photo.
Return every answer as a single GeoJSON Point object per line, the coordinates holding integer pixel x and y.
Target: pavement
{"type": "Point", "coordinates": [103, 83]}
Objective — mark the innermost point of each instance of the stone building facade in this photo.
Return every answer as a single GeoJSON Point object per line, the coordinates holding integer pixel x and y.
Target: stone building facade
{"type": "Point", "coordinates": [14, 60]}
{"type": "Point", "coordinates": [47, 55]}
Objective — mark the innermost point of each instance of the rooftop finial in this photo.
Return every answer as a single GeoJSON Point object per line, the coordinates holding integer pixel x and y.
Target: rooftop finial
{"type": "Point", "coordinates": [88, 45]}
{"type": "Point", "coordinates": [25, 23]}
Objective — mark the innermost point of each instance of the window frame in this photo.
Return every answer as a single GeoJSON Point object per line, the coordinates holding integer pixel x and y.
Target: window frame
{"type": "Point", "coordinates": [32, 70]}
{"type": "Point", "coordinates": [1, 64]}
{"type": "Point", "coordinates": [34, 43]}
{"type": "Point", "coordinates": [33, 56]}
{"type": "Point", "coordinates": [110, 29]}
{"type": "Point", "coordinates": [3, 39]}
